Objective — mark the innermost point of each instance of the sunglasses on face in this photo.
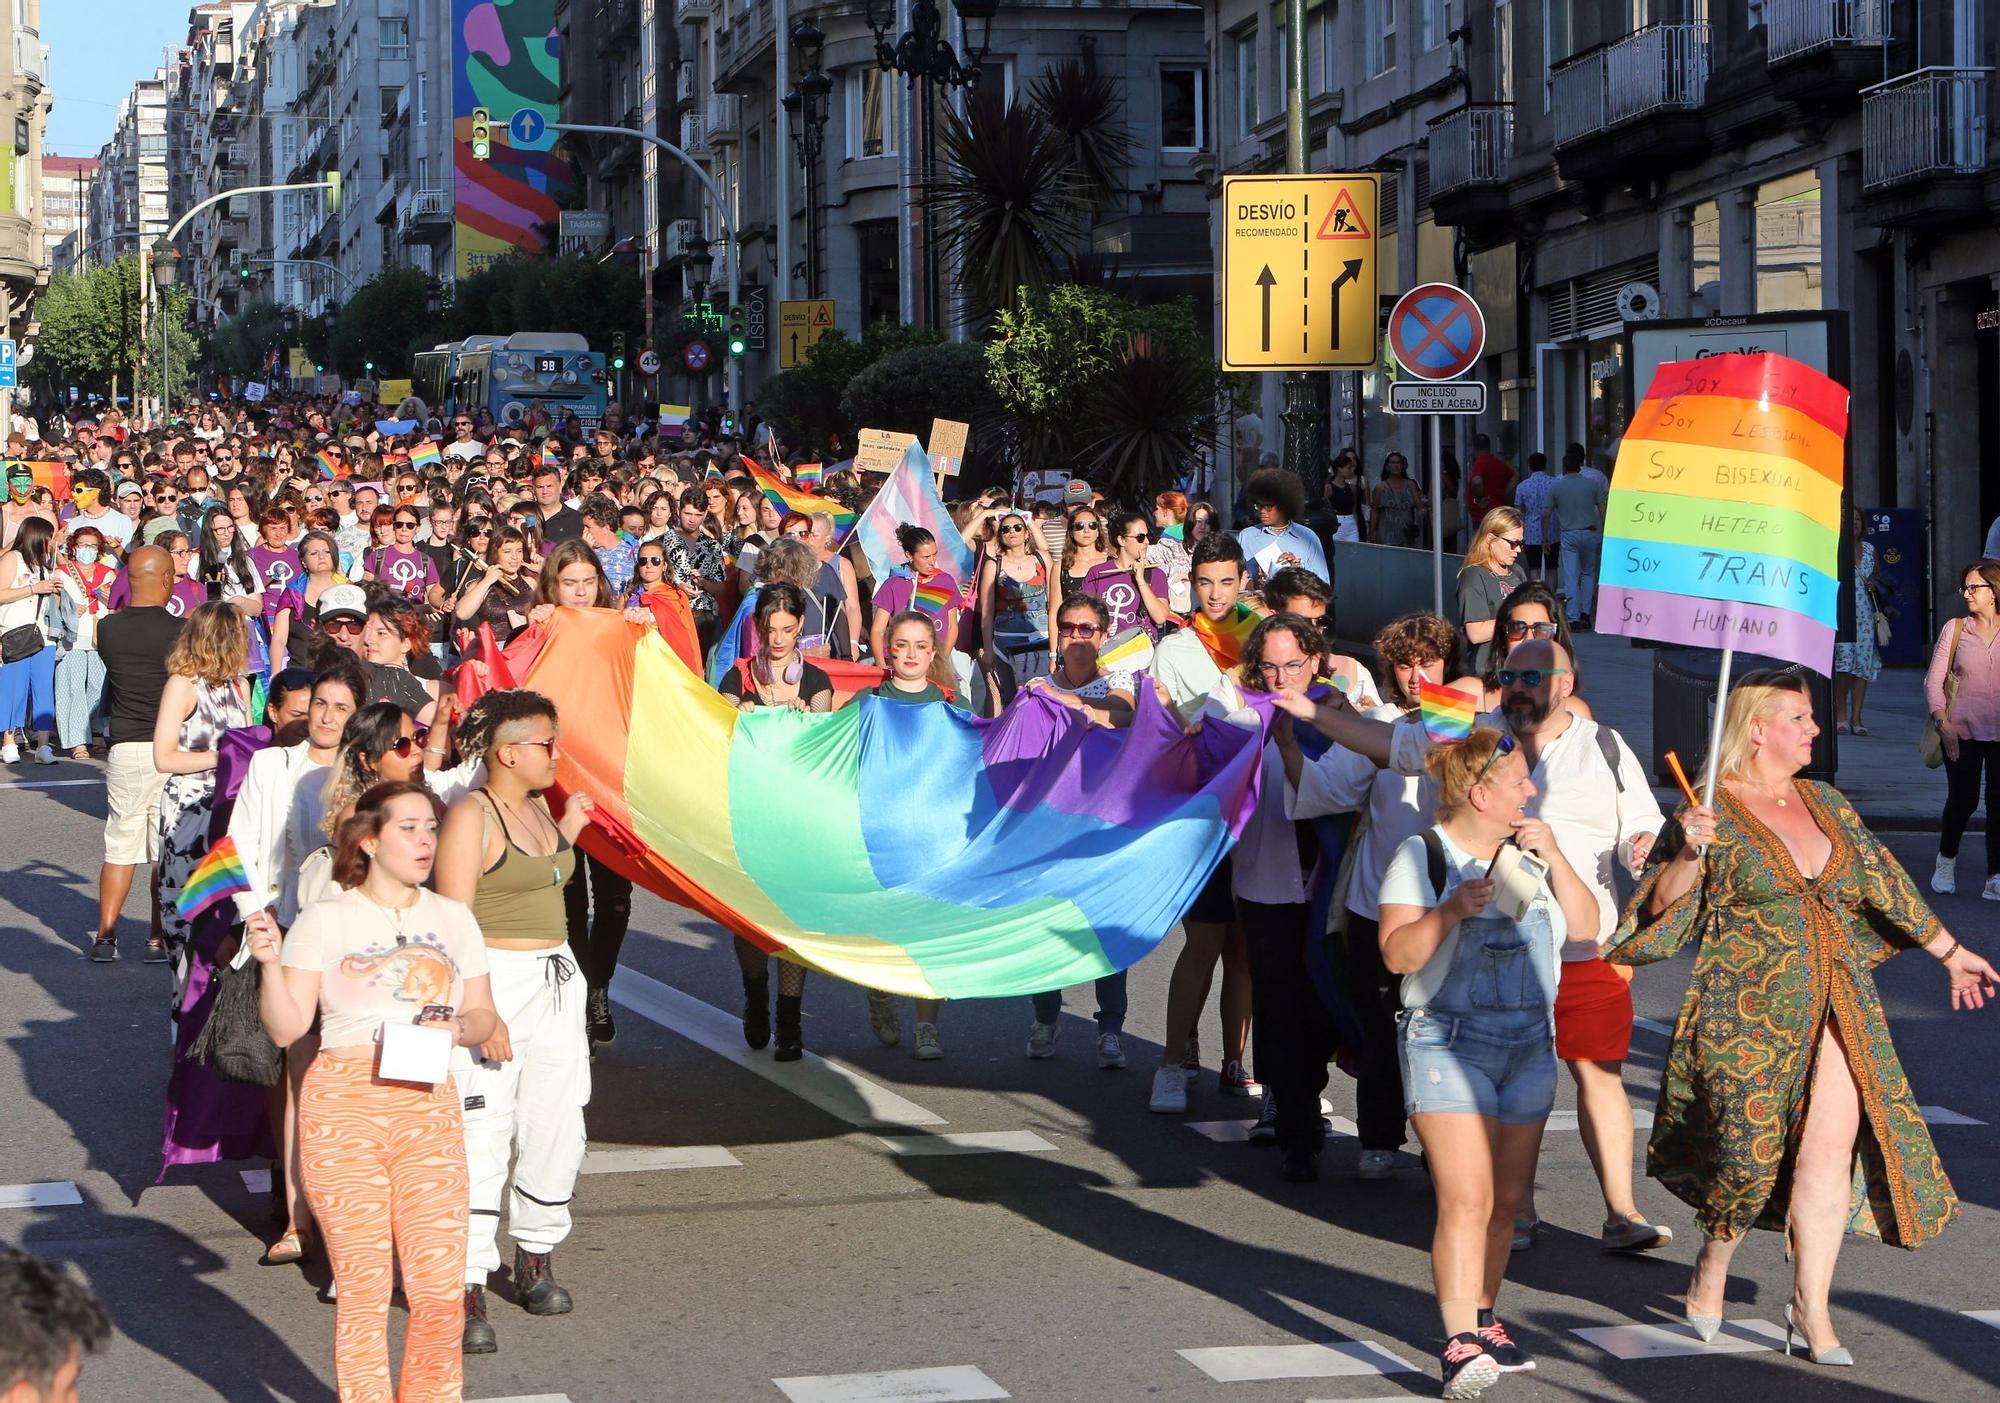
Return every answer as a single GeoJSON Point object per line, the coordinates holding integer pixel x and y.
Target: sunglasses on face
{"type": "Point", "coordinates": [1521, 628]}
{"type": "Point", "coordinates": [406, 525]}
{"type": "Point", "coordinates": [1077, 630]}
{"type": "Point", "coordinates": [652, 560]}
{"type": "Point", "coordinates": [1529, 676]}
{"type": "Point", "coordinates": [1506, 747]}
{"type": "Point", "coordinates": [343, 627]}
{"type": "Point", "coordinates": [1515, 541]}
{"type": "Point", "coordinates": [1083, 526]}
{"type": "Point", "coordinates": [476, 532]}
{"type": "Point", "coordinates": [1140, 536]}
{"type": "Point", "coordinates": [406, 746]}
{"type": "Point", "coordinates": [549, 745]}
{"type": "Point", "coordinates": [1013, 529]}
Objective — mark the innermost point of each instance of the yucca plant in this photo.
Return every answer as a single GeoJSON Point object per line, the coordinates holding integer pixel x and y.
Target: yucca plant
{"type": "Point", "coordinates": [1081, 105]}
{"type": "Point", "coordinates": [1010, 205]}
{"type": "Point", "coordinates": [1154, 414]}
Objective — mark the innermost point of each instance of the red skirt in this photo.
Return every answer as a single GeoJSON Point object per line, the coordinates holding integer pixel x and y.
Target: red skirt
{"type": "Point", "coordinates": [1593, 1013]}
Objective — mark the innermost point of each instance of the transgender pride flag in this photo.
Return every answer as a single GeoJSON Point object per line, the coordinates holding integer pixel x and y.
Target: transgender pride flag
{"type": "Point", "coordinates": [910, 495]}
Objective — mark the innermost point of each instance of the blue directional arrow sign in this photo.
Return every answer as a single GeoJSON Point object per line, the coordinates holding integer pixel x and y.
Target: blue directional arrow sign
{"type": "Point", "coordinates": [528, 130]}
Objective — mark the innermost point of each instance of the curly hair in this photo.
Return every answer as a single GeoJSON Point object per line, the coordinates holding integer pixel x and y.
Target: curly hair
{"type": "Point", "coordinates": [213, 647]}
{"type": "Point", "coordinates": [1412, 639]}
{"type": "Point", "coordinates": [1278, 488]}
{"type": "Point", "coordinates": [787, 562]}
{"type": "Point", "coordinates": [1310, 640]}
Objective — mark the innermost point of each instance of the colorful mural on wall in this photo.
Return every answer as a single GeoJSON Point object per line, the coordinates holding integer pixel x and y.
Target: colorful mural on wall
{"type": "Point", "coordinates": [506, 56]}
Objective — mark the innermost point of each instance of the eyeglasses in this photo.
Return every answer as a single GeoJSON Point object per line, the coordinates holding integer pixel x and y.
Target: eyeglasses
{"type": "Point", "coordinates": [1528, 676]}
{"type": "Point", "coordinates": [1522, 628]}
{"type": "Point", "coordinates": [1077, 630]}
{"type": "Point", "coordinates": [1972, 589]}
{"type": "Point", "coordinates": [406, 746]}
{"type": "Point", "coordinates": [1295, 668]}
{"type": "Point", "coordinates": [1505, 747]}
{"type": "Point", "coordinates": [180, 550]}
{"type": "Point", "coordinates": [799, 535]}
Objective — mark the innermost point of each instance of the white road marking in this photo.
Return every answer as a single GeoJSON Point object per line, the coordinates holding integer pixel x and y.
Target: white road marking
{"type": "Point", "coordinates": [665, 1157]}
{"type": "Point", "coordinates": [959, 1383]}
{"type": "Point", "coordinates": [1985, 1317]}
{"type": "Point", "coordinates": [1652, 1025]}
{"type": "Point", "coordinates": [51, 783]}
{"type": "Point", "coordinates": [837, 1089]}
{"type": "Point", "coordinates": [1642, 1119]}
{"type": "Point", "coordinates": [972, 1142]}
{"type": "Point", "coordinates": [54, 1195]}
{"type": "Point", "coordinates": [1939, 1115]}
{"type": "Point", "coordinates": [1252, 1363]}
{"type": "Point", "coordinates": [1235, 1132]}
{"type": "Point", "coordinates": [1666, 1341]}
{"type": "Point", "coordinates": [257, 1181]}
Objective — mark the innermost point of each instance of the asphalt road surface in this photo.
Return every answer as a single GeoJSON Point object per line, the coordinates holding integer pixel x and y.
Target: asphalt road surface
{"type": "Point", "coordinates": [748, 1231]}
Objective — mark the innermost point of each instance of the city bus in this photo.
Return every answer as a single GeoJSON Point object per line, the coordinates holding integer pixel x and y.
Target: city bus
{"type": "Point", "coordinates": [509, 375]}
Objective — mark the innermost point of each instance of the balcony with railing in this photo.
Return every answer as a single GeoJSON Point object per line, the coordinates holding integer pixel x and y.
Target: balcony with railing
{"type": "Point", "coordinates": [1923, 146]}
{"type": "Point", "coordinates": [688, 11]}
{"type": "Point", "coordinates": [1824, 50]}
{"type": "Point", "coordinates": [725, 119]}
{"type": "Point", "coordinates": [428, 216]}
{"type": "Point", "coordinates": [617, 19]}
{"type": "Point", "coordinates": [31, 56]}
{"type": "Point", "coordinates": [1640, 95]}
{"type": "Point", "coordinates": [694, 135]}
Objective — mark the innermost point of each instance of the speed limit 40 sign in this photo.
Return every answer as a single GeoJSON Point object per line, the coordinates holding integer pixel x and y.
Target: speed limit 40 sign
{"type": "Point", "coordinates": [649, 362]}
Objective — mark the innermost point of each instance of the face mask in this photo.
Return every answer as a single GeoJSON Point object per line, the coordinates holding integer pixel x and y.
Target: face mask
{"type": "Point", "coordinates": [85, 555]}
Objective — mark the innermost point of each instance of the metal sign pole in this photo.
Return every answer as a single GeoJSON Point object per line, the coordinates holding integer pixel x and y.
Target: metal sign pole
{"type": "Point", "coordinates": [1437, 515]}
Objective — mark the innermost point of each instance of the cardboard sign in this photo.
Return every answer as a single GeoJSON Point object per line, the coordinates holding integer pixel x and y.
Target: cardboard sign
{"type": "Point", "coordinates": [253, 392]}
{"type": "Point", "coordinates": [392, 391]}
{"type": "Point", "coordinates": [947, 446]}
{"type": "Point", "coordinates": [880, 450]}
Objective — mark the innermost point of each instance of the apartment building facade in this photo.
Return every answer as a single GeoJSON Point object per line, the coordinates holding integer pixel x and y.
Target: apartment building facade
{"type": "Point", "coordinates": [24, 107]}
{"type": "Point", "coordinates": [66, 182]}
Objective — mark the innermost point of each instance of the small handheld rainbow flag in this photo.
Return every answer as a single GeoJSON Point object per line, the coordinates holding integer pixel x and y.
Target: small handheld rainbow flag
{"type": "Point", "coordinates": [1225, 638]}
{"type": "Point", "coordinates": [806, 475]}
{"type": "Point", "coordinates": [791, 499]}
{"type": "Point", "coordinates": [1447, 712]}
{"type": "Point", "coordinates": [934, 597]}
{"type": "Point", "coordinates": [552, 458]}
{"type": "Point", "coordinates": [327, 467]}
{"type": "Point", "coordinates": [424, 454]}
{"type": "Point", "coordinates": [219, 877]}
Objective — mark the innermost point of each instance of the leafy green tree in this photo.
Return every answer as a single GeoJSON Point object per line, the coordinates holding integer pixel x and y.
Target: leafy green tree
{"type": "Point", "coordinates": [383, 321]}
{"type": "Point", "coordinates": [805, 403]}
{"type": "Point", "coordinates": [520, 293]}
{"type": "Point", "coordinates": [89, 327]}
{"type": "Point", "coordinates": [240, 346]}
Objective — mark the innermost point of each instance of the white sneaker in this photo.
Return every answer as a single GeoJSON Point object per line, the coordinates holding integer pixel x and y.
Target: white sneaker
{"type": "Point", "coordinates": [882, 1018]}
{"type": "Point", "coordinates": [1944, 881]}
{"type": "Point", "coordinates": [10, 754]}
{"type": "Point", "coordinates": [1377, 1164]}
{"type": "Point", "coordinates": [1042, 1039]}
{"type": "Point", "coordinates": [45, 755]}
{"type": "Point", "coordinates": [1992, 889]}
{"type": "Point", "coordinates": [1110, 1051]}
{"type": "Point", "coordinates": [929, 1048]}
{"type": "Point", "coordinates": [1169, 1091]}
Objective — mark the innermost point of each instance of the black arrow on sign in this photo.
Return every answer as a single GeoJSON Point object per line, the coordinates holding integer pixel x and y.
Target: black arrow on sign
{"type": "Point", "coordinates": [1350, 271]}
{"type": "Point", "coordinates": [795, 348]}
{"type": "Point", "coordinates": [1265, 281]}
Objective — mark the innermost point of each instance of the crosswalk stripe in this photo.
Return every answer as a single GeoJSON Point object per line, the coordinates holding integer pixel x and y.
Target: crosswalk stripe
{"type": "Point", "coordinates": [51, 783]}
{"type": "Point", "coordinates": [1254, 1363]}
{"type": "Point", "coordinates": [1653, 1025]}
{"type": "Point", "coordinates": [957, 1383]}
{"type": "Point", "coordinates": [835, 1088]}
{"type": "Point", "coordinates": [664, 1157]}
{"type": "Point", "coordinates": [50, 1195]}
{"type": "Point", "coordinates": [971, 1142]}
{"type": "Point", "coordinates": [1635, 1341]}
{"type": "Point", "coordinates": [1985, 1317]}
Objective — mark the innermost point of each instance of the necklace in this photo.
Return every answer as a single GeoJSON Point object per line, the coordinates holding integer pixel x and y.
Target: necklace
{"type": "Point", "coordinates": [1781, 802]}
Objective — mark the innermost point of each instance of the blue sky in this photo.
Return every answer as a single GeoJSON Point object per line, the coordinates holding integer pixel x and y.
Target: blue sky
{"type": "Point", "coordinates": [97, 50]}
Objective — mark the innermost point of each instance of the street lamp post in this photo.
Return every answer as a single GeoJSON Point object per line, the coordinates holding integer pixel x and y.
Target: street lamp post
{"type": "Point", "coordinates": [808, 104]}
{"type": "Point", "coordinates": [923, 55]}
{"type": "Point", "coordinates": [166, 272]}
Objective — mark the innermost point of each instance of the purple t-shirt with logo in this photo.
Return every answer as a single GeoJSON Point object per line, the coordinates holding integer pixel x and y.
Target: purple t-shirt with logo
{"type": "Point", "coordinates": [409, 573]}
{"type": "Point", "coordinates": [279, 568]}
{"type": "Point", "coordinates": [1120, 594]}
{"type": "Point", "coordinates": [189, 595]}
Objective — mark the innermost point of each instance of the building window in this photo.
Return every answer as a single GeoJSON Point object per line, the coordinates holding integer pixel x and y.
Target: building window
{"type": "Point", "coordinates": [1181, 115]}
{"type": "Point", "coordinates": [871, 113]}
{"type": "Point", "coordinates": [1503, 50]}
{"type": "Point", "coordinates": [1434, 20]}
{"type": "Point", "coordinates": [1379, 17]}
{"type": "Point", "coordinates": [1788, 244]}
{"type": "Point", "coordinates": [395, 38]}
{"type": "Point", "coordinates": [423, 103]}
{"type": "Point", "coordinates": [993, 94]}
{"type": "Point", "coordinates": [1555, 46]}
{"type": "Point", "coordinates": [1705, 255]}
{"type": "Point", "coordinates": [1244, 43]}
{"type": "Point", "coordinates": [881, 297]}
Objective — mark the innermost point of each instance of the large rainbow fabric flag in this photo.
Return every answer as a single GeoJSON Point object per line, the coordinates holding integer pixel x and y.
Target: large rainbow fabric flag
{"type": "Point", "coordinates": [787, 498]}
{"type": "Point", "coordinates": [50, 473]}
{"type": "Point", "coordinates": [1723, 523]}
{"type": "Point", "coordinates": [908, 848]}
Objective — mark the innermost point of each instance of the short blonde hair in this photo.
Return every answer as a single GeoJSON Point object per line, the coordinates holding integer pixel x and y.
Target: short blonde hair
{"type": "Point", "coordinates": [1458, 767]}
{"type": "Point", "coordinates": [1751, 697]}
{"type": "Point", "coordinates": [214, 645]}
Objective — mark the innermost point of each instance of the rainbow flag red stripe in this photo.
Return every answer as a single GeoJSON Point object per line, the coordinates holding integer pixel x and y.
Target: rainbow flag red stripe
{"type": "Point", "coordinates": [1446, 712]}
{"type": "Point", "coordinates": [424, 454]}
{"type": "Point", "coordinates": [219, 876]}
{"type": "Point", "coordinates": [1224, 638]}
{"type": "Point", "coordinates": [787, 498]}
{"type": "Point", "coordinates": [552, 458]}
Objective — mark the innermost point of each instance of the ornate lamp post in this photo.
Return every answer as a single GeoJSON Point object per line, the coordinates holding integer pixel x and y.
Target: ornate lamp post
{"type": "Point", "coordinates": [166, 272]}
{"type": "Point", "coordinates": [808, 104]}
{"type": "Point", "coordinates": [926, 59]}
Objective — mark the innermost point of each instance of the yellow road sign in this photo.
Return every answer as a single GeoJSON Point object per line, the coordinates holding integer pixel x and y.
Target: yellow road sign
{"type": "Point", "coordinates": [1298, 272]}
{"type": "Point", "coordinates": [800, 324]}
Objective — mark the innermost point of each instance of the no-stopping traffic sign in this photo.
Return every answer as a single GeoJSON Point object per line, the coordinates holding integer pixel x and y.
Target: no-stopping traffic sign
{"type": "Point", "coordinates": [1436, 332]}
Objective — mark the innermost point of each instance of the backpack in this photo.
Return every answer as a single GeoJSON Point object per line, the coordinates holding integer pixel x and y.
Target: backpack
{"type": "Point", "coordinates": [1607, 746]}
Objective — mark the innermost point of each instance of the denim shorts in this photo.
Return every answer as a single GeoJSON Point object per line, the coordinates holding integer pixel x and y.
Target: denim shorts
{"type": "Point", "coordinates": [1469, 1066]}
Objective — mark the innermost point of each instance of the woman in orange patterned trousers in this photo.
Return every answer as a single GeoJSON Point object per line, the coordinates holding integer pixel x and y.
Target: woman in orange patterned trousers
{"type": "Point", "coordinates": [383, 1161]}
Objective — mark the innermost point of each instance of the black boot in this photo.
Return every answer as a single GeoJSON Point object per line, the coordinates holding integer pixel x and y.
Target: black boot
{"type": "Point", "coordinates": [597, 1015]}
{"type": "Point", "coordinates": [757, 1012]}
{"type": "Point", "coordinates": [478, 1337]}
{"type": "Point", "coordinates": [791, 1041]}
{"type": "Point", "coordinates": [535, 1284]}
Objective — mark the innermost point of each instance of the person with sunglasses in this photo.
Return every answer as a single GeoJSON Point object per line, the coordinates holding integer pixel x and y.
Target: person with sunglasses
{"type": "Point", "coordinates": [1278, 499]}
{"type": "Point", "coordinates": [1084, 549]}
{"type": "Point", "coordinates": [1014, 600]}
{"type": "Point", "coordinates": [1479, 974]}
{"type": "Point", "coordinates": [508, 857]}
{"type": "Point", "coordinates": [225, 568]}
{"type": "Point", "coordinates": [1491, 572]}
{"type": "Point", "coordinates": [502, 594]}
{"type": "Point", "coordinates": [380, 743]}
{"type": "Point", "coordinates": [1134, 592]}
{"type": "Point", "coordinates": [399, 566]}
{"type": "Point", "coordinates": [1533, 610]}
{"type": "Point", "coordinates": [1962, 691]}
{"type": "Point", "coordinates": [90, 498]}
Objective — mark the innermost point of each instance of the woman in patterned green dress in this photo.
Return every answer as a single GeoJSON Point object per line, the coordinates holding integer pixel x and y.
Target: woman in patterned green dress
{"type": "Point", "coordinates": [1783, 1105]}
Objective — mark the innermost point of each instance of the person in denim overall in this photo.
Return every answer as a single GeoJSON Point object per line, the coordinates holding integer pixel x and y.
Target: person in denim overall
{"type": "Point", "coordinates": [1476, 1038]}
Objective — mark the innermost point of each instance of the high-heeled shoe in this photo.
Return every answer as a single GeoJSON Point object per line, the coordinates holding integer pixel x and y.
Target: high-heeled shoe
{"type": "Point", "coordinates": [1705, 1327]}
{"type": "Point", "coordinates": [1839, 1356]}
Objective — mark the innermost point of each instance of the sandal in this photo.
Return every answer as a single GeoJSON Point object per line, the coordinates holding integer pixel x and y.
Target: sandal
{"type": "Point", "coordinates": [1840, 728]}
{"type": "Point", "coordinates": [1859, 729]}
{"type": "Point", "coordinates": [287, 1249]}
{"type": "Point", "coordinates": [79, 752]}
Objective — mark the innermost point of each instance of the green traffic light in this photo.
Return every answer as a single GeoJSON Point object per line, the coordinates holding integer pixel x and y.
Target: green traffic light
{"type": "Point", "coordinates": [618, 362]}
{"type": "Point", "coordinates": [736, 347]}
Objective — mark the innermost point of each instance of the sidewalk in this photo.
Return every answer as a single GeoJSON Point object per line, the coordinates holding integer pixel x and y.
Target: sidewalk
{"type": "Point", "coordinates": [1879, 772]}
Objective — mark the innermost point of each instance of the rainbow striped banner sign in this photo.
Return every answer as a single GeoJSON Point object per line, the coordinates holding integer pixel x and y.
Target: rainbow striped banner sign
{"type": "Point", "coordinates": [1723, 524]}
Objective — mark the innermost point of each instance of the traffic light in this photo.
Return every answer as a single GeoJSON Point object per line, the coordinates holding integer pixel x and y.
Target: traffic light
{"type": "Point", "coordinates": [332, 179]}
{"type": "Point", "coordinates": [618, 350]}
{"type": "Point", "coordinates": [482, 134]}
{"type": "Point", "coordinates": [739, 331]}
{"type": "Point", "coordinates": [243, 267]}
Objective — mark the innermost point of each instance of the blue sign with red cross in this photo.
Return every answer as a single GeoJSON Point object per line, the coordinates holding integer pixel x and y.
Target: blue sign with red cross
{"type": "Point", "coordinates": [695, 356]}
{"type": "Point", "coordinates": [1436, 332]}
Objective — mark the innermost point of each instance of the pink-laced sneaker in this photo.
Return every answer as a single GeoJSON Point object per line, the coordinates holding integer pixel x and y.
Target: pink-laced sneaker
{"type": "Point", "coordinates": [1511, 1358]}
{"type": "Point", "coordinates": [1467, 1368]}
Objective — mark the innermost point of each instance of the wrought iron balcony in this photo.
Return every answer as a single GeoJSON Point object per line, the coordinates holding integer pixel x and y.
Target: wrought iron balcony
{"type": "Point", "coordinates": [1472, 146]}
{"type": "Point", "coordinates": [1639, 96]}
{"type": "Point", "coordinates": [1824, 51]}
{"type": "Point", "coordinates": [1923, 146]}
